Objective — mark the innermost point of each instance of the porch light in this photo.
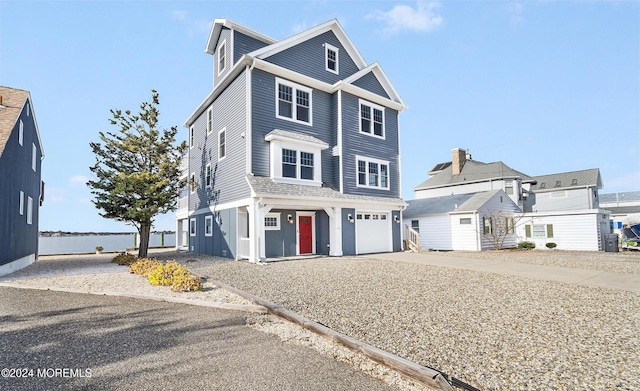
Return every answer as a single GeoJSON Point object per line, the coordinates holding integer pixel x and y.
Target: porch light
{"type": "Point", "coordinates": [350, 218]}
{"type": "Point", "coordinates": [290, 219]}
{"type": "Point", "coordinates": [396, 219]}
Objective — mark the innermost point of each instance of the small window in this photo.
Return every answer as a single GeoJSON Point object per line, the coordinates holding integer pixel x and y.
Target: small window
{"type": "Point", "coordinates": [191, 137]}
{"type": "Point", "coordinates": [192, 227]}
{"type": "Point", "coordinates": [29, 210]}
{"type": "Point", "coordinates": [376, 217]}
{"type": "Point", "coordinates": [539, 231]}
{"type": "Point", "coordinates": [272, 222]}
{"type": "Point", "coordinates": [367, 217]}
{"type": "Point", "coordinates": [34, 156]}
{"type": "Point", "coordinates": [222, 57]}
{"type": "Point", "coordinates": [192, 183]}
{"type": "Point", "coordinates": [415, 225]}
{"type": "Point", "coordinates": [209, 120]}
{"type": "Point", "coordinates": [574, 182]}
{"type": "Point", "coordinates": [222, 144]}
{"type": "Point", "coordinates": [28, 110]}
{"type": "Point", "coordinates": [543, 185]}
{"type": "Point", "coordinates": [558, 183]}
{"type": "Point", "coordinates": [21, 133]}
{"type": "Point", "coordinates": [359, 216]}
{"type": "Point", "coordinates": [21, 203]}
{"type": "Point", "coordinates": [208, 175]}
{"type": "Point", "coordinates": [487, 225]}
{"type": "Point", "coordinates": [465, 220]}
{"type": "Point", "coordinates": [508, 187]}
{"type": "Point", "coordinates": [331, 58]}
{"type": "Point", "coordinates": [208, 226]}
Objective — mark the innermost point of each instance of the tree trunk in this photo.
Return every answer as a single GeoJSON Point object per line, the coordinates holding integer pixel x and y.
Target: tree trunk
{"type": "Point", "coordinates": [145, 229]}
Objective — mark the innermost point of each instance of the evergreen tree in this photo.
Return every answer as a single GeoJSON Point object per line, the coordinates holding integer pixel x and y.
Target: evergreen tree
{"type": "Point", "coordinates": [137, 169]}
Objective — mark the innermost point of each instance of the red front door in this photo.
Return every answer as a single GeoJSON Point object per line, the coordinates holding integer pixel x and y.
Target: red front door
{"type": "Point", "coordinates": [306, 234]}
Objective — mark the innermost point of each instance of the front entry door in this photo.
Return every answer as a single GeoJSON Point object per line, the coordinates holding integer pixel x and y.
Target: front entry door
{"type": "Point", "coordinates": [305, 229]}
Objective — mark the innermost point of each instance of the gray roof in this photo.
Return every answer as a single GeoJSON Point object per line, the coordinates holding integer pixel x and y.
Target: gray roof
{"type": "Point", "coordinates": [266, 187]}
{"type": "Point", "coordinates": [620, 197]}
{"type": "Point", "coordinates": [436, 205]}
{"type": "Point", "coordinates": [473, 171]}
{"type": "Point", "coordinates": [568, 180]}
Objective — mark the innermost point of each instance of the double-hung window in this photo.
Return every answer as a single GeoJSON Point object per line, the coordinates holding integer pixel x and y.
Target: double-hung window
{"type": "Point", "coordinates": [289, 163]}
{"type": "Point", "coordinates": [209, 120]}
{"type": "Point", "coordinates": [208, 226]}
{"type": "Point", "coordinates": [372, 173]}
{"type": "Point", "coordinates": [295, 158]}
{"type": "Point", "coordinates": [297, 164]}
{"type": "Point", "coordinates": [331, 58]}
{"type": "Point", "coordinates": [208, 178]}
{"type": "Point", "coordinates": [222, 144]}
{"type": "Point", "coordinates": [222, 57]}
{"type": "Point", "coordinates": [371, 119]}
{"type": "Point", "coordinates": [293, 102]}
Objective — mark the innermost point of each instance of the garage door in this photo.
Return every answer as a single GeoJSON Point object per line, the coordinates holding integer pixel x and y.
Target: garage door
{"type": "Point", "coordinates": [372, 230]}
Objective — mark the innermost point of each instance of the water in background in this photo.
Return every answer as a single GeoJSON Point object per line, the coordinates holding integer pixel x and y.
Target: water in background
{"type": "Point", "coordinates": [76, 244]}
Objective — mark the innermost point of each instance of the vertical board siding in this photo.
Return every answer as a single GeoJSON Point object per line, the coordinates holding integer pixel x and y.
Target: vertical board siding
{"type": "Point", "coordinates": [223, 241]}
{"type": "Point", "coordinates": [371, 83]}
{"type": "Point", "coordinates": [17, 238]}
{"type": "Point", "coordinates": [243, 44]}
{"type": "Point", "coordinates": [230, 183]}
{"type": "Point", "coordinates": [308, 58]}
{"type": "Point", "coordinates": [348, 232]}
{"type": "Point", "coordinates": [225, 35]}
{"type": "Point", "coordinates": [356, 143]}
{"type": "Point", "coordinates": [264, 121]}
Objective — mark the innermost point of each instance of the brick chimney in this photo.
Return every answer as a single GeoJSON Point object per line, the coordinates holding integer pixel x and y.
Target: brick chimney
{"type": "Point", "coordinates": [458, 159]}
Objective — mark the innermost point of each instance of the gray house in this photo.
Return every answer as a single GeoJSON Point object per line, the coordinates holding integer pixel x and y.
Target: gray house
{"type": "Point", "coordinates": [21, 189]}
{"type": "Point", "coordinates": [294, 151]}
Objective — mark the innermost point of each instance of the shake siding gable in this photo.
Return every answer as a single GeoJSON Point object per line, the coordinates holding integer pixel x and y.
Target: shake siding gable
{"type": "Point", "coordinates": [355, 143]}
{"type": "Point", "coordinates": [264, 121]}
{"type": "Point", "coordinates": [308, 58]}
{"type": "Point", "coordinates": [371, 83]}
{"type": "Point", "coordinates": [228, 112]}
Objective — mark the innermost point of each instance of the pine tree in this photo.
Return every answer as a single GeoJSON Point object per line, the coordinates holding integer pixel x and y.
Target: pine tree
{"type": "Point", "coordinates": [137, 169]}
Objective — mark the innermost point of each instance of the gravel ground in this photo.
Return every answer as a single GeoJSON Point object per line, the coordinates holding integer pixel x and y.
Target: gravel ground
{"type": "Point", "coordinates": [491, 331]}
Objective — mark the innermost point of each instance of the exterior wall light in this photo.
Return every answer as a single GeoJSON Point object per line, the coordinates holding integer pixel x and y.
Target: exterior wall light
{"type": "Point", "coordinates": [290, 219]}
{"type": "Point", "coordinates": [396, 219]}
{"type": "Point", "coordinates": [350, 218]}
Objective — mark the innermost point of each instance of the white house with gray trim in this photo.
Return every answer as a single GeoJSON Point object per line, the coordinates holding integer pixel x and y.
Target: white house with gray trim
{"type": "Point", "coordinates": [294, 151]}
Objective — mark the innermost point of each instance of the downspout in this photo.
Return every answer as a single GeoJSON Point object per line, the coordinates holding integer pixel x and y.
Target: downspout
{"type": "Point", "coordinates": [248, 127]}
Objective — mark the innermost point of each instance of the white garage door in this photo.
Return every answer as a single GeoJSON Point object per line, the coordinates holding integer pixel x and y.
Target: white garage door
{"type": "Point", "coordinates": [372, 231]}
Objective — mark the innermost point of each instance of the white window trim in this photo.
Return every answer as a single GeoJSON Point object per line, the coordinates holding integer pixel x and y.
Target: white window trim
{"type": "Point", "coordinates": [209, 120]}
{"type": "Point", "coordinates": [29, 210]}
{"type": "Point", "coordinates": [192, 224]}
{"type": "Point", "coordinates": [222, 49]}
{"type": "Point", "coordinates": [276, 147]}
{"type": "Point", "coordinates": [192, 184]}
{"type": "Point", "coordinates": [313, 230]}
{"type": "Point", "coordinates": [21, 133]}
{"type": "Point", "coordinates": [362, 102]}
{"type": "Point", "coordinates": [21, 203]}
{"type": "Point", "coordinates": [191, 137]}
{"type": "Point", "coordinates": [272, 215]}
{"type": "Point", "coordinates": [328, 47]}
{"type": "Point", "coordinates": [295, 87]}
{"type": "Point", "coordinates": [223, 130]}
{"type": "Point", "coordinates": [28, 109]}
{"type": "Point", "coordinates": [34, 153]}
{"type": "Point", "coordinates": [368, 160]}
{"type": "Point", "coordinates": [208, 219]}
{"type": "Point", "coordinates": [207, 170]}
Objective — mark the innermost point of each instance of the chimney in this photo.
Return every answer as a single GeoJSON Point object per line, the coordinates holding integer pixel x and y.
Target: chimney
{"type": "Point", "coordinates": [458, 159]}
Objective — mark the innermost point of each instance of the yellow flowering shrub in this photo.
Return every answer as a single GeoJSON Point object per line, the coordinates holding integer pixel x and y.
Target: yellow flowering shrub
{"type": "Point", "coordinates": [163, 274]}
{"type": "Point", "coordinates": [184, 281]}
{"type": "Point", "coordinates": [144, 266]}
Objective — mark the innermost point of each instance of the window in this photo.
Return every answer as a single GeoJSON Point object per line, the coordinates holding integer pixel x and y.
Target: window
{"type": "Point", "coordinates": [295, 158]}
{"type": "Point", "coordinates": [21, 133]}
{"type": "Point", "coordinates": [291, 168]}
{"type": "Point", "coordinates": [272, 222]}
{"type": "Point", "coordinates": [222, 144]}
{"type": "Point", "coordinates": [34, 155]}
{"type": "Point", "coordinates": [543, 185]}
{"type": "Point", "coordinates": [191, 137]}
{"type": "Point", "coordinates": [209, 120]}
{"type": "Point", "coordinates": [21, 203]}
{"type": "Point", "coordinates": [371, 119]}
{"type": "Point", "coordinates": [285, 108]}
{"type": "Point", "coordinates": [222, 57]}
{"type": "Point", "coordinates": [28, 109]}
{"type": "Point", "coordinates": [508, 187]}
{"type": "Point", "coordinates": [372, 173]}
{"type": "Point", "coordinates": [192, 182]}
{"type": "Point", "coordinates": [306, 165]}
{"type": "Point", "coordinates": [558, 183]}
{"type": "Point", "coordinates": [415, 225]}
{"type": "Point", "coordinates": [510, 224]}
{"type": "Point", "coordinates": [539, 231]}
{"type": "Point", "coordinates": [487, 225]}
{"type": "Point", "coordinates": [289, 165]}
{"type": "Point", "coordinates": [331, 58]}
{"type": "Point", "coordinates": [192, 227]}
{"type": "Point", "coordinates": [208, 226]}
{"type": "Point", "coordinates": [29, 210]}
{"type": "Point", "coordinates": [465, 220]}
{"type": "Point", "coordinates": [208, 175]}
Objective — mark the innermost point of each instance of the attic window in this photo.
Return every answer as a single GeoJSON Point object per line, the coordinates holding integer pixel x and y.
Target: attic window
{"type": "Point", "coordinates": [331, 58]}
{"type": "Point", "coordinates": [574, 182]}
{"type": "Point", "coordinates": [543, 185]}
{"type": "Point", "coordinates": [558, 183]}
{"type": "Point", "coordinates": [222, 57]}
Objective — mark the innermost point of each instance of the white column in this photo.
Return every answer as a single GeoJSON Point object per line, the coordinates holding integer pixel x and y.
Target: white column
{"type": "Point", "coordinates": [335, 231]}
{"type": "Point", "coordinates": [257, 214]}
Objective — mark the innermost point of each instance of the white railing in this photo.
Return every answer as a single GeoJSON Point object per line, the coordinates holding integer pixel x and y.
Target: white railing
{"type": "Point", "coordinates": [412, 238]}
{"type": "Point", "coordinates": [244, 250]}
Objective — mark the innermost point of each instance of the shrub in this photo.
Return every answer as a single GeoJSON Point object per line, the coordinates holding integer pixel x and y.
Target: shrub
{"type": "Point", "coordinates": [163, 274]}
{"type": "Point", "coordinates": [551, 245]}
{"type": "Point", "coordinates": [124, 259]}
{"type": "Point", "coordinates": [144, 266]}
{"type": "Point", "coordinates": [526, 245]}
{"type": "Point", "coordinates": [184, 281]}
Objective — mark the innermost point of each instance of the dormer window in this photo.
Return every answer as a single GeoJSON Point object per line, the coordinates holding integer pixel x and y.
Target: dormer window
{"type": "Point", "coordinates": [331, 58]}
{"type": "Point", "coordinates": [295, 158]}
{"type": "Point", "coordinates": [222, 57]}
{"type": "Point", "coordinates": [558, 183]}
{"type": "Point", "coordinates": [574, 182]}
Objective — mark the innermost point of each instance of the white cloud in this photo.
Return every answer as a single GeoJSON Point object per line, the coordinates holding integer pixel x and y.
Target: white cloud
{"type": "Point", "coordinates": [78, 181]}
{"type": "Point", "coordinates": [195, 27]}
{"type": "Point", "coordinates": [404, 17]}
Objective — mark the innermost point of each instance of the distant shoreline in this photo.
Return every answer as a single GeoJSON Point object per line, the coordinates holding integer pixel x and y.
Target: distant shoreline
{"type": "Point", "coordinates": [66, 233]}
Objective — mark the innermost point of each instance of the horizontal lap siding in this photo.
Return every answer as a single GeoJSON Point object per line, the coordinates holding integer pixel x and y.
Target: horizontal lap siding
{"type": "Point", "coordinates": [225, 34]}
{"type": "Point", "coordinates": [243, 44]}
{"type": "Point", "coordinates": [264, 121]}
{"type": "Point", "coordinates": [308, 58]}
{"type": "Point", "coordinates": [570, 232]}
{"type": "Point", "coordinates": [370, 83]}
{"type": "Point", "coordinates": [356, 143]}
{"type": "Point", "coordinates": [228, 111]}
{"type": "Point", "coordinates": [435, 232]}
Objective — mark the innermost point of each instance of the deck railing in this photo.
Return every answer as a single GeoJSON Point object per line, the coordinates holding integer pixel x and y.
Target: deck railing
{"type": "Point", "coordinates": [412, 238]}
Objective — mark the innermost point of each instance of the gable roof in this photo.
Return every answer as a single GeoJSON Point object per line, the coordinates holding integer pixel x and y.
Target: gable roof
{"type": "Point", "coordinates": [473, 171]}
{"type": "Point", "coordinates": [13, 102]}
{"type": "Point", "coordinates": [219, 24]}
{"type": "Point", "coordinates": [568, 180]}
{"type": "Point", "coordinates": [455, 203]}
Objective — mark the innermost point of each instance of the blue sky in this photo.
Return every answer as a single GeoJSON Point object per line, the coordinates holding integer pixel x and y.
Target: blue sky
{"type": "Point", "coordinates": [544, 86]}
